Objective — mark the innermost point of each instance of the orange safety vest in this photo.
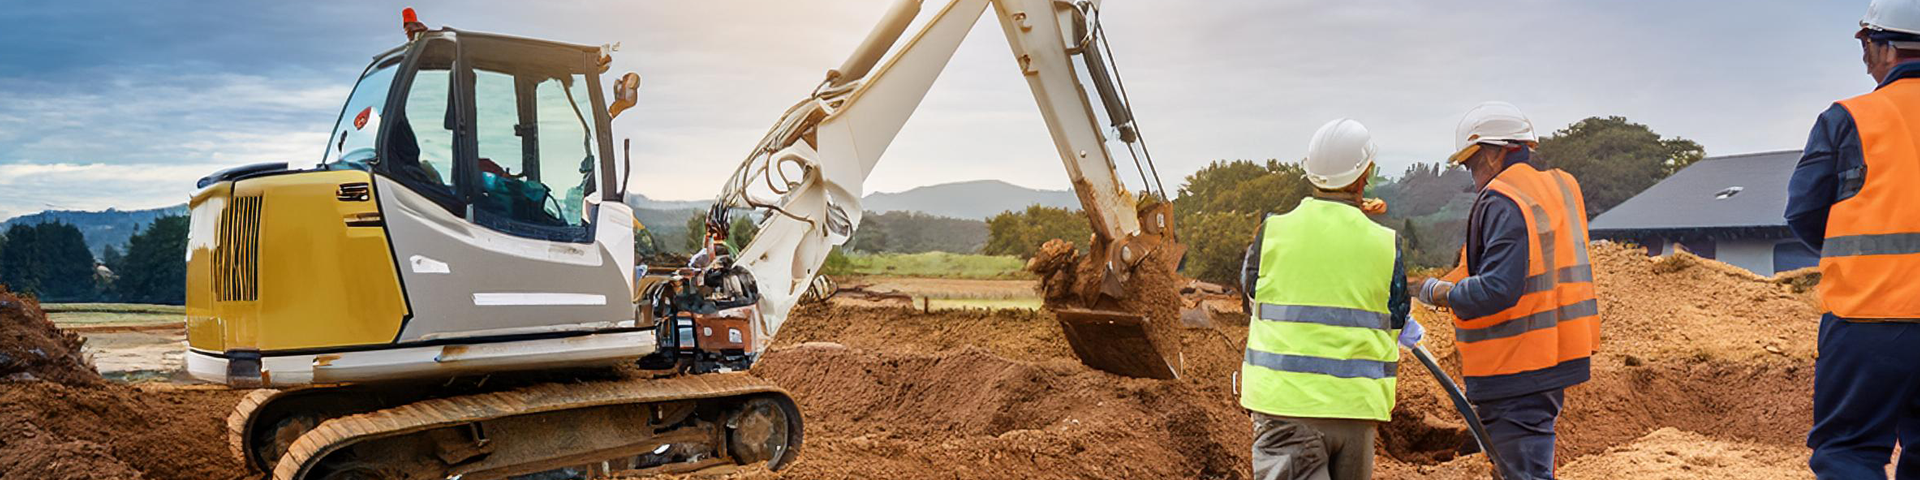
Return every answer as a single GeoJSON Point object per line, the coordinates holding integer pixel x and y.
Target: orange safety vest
{"type": "Point", "coordinates": [1872, 250]}
{"type": "Point", "coordinates": [1557, 319]}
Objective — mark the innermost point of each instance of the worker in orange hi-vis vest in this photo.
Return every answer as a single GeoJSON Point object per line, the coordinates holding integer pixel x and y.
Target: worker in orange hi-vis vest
{"type": "Point", "coordinates": [1526, 319]}
{"type": "Point", "coordinates": [1853, 198]}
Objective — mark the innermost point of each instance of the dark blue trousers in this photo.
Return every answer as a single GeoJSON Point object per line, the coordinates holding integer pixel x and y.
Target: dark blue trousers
{"type": "Point", "coordinates": [1522, 431]}
{"type": "Point", "coordinates": [1866, 397]}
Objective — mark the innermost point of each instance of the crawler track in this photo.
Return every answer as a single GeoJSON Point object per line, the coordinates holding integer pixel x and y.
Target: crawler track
{"type": "Point", "coordinates": [613, 425]}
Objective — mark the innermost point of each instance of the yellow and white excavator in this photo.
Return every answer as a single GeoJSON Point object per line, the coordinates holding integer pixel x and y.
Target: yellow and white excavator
{"type": "Point", "coordinates": [451, 292]}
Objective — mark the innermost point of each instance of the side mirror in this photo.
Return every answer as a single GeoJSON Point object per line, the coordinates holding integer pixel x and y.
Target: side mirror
{"type": "Point", "coordinates": [626, 94]}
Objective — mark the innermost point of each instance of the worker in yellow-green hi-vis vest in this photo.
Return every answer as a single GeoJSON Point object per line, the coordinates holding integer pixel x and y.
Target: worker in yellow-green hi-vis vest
{"type": "Point", "coordinates": [1329, 313]}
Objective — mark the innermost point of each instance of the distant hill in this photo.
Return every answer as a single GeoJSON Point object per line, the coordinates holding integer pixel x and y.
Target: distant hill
{"type": "Point", "coordinates": [974, 200]}
{"type": "Point", "coordinates": [108, 227]}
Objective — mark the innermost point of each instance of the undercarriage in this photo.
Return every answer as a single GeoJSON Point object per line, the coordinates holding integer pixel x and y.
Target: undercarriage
{"type": "Point", "coordinates": [548, 430]}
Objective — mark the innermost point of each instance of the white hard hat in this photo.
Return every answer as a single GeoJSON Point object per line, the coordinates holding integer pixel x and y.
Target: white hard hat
{"type": "Point", "coordinates": [1899, 16]}
{"type": "Point", "coordinates": [1339, 154]}
{"type": "Point", "coordinates": [1498, 123]}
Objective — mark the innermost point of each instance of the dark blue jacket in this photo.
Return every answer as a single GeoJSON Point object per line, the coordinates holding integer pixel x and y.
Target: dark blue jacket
{"type": "Point", "coordinates": [1497, 254]}
{"type": "Point", "coordinates": [1831, 169]}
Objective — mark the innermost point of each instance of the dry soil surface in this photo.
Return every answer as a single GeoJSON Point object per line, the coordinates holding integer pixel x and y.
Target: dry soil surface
{"type": "Point", "coordinates": [1705, 372]}
{"type": "Point", "coordinates": [60, 420]}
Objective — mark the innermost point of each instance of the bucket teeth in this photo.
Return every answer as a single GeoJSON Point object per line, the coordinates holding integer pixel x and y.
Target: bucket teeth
{"type": "Point", "coordinates": [1116, 342]}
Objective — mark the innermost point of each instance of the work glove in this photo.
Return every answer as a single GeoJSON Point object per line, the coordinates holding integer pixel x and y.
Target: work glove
{"type": "Point", "coordinates": [1373, 206]}
{"type": "Point", "coordinates": [1432, 291]}
{"type": "Point", "coordinates": [1411, 334]}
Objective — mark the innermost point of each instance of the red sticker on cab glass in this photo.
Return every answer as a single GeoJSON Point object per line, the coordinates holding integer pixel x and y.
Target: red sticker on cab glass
{"type": "Point", "coordinates": [360, 121]}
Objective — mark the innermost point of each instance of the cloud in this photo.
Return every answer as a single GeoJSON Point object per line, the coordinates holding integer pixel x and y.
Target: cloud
{"type": "Point", "coordinates": [30, 187]}
{"type": "Point", "coordinates": [139, 138]}
{"type": "Point", "coordinates": [160, 85]}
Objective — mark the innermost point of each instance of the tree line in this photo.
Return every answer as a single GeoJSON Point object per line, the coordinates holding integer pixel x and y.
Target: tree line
{"type": "Point", "coordinates": [1219, 207]}
{"type": "Point", "coordinates": [888, 232]}
{"type": "Point", "coordinates": [51, 262]}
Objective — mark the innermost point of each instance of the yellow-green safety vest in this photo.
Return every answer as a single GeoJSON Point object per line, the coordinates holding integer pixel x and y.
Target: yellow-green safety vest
{"type": "Point", "coordinates": [1320, 344]}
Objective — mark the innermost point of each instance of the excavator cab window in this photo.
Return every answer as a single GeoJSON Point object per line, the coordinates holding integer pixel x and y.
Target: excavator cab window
{"type": "Point", "coordinates": [420, 143]}
{"type": "Point", "coordinates": [353, 134]}
{"type": "Point", "coordinates": [535, 168]}
{"type": "Point", "coordinates": [537, 149]}
{"type": "Point", "coordinates": [505, 132]}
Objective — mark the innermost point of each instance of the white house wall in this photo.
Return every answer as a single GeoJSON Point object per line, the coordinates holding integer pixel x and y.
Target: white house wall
{"type": "Point", "coordinates": [1754, 255]}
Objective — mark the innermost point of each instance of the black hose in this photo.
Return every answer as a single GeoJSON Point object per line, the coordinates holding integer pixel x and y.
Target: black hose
{"type": "Point", "coordinates": [1466, 411]}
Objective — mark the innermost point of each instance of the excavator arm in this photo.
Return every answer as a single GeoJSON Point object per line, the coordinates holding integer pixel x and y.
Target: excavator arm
{"type": "Point", "coordinates": [809, 170]}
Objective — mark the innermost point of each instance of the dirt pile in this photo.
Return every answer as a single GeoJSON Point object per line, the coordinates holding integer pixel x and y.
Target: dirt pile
{"type": "Point", "coordinates": [28, 452]}
{"type": "Point", "coordinates": [970, 414]}
{"type": "Point", "coordinates": [1677, 455]}
{"type": "Point", "coordinates": [901, 393]}
{"type": "Point", "coordinates": [31, 348]}
{"type": "Point", "coordinates": [912, 394]}
{"type": "Point", "coordinates": [61, 421]}
{"type": "Point", "coordinates": [1017, 334]}
{"type": "Point", "coordinates": [55, 431]}
{"type": "Point", "coordinates": [1684, 306]}
{"type": "Point", "coordinates": [1685, 386]}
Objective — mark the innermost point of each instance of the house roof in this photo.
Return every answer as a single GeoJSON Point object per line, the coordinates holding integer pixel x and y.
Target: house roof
{"type": "Point", "coordinates": [1733, 192]}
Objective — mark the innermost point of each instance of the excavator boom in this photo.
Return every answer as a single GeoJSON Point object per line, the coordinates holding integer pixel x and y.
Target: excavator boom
{"type": "Point", "coordinates": [810, 169]}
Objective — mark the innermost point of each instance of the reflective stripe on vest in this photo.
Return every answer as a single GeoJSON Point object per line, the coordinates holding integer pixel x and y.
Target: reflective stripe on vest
{"type": "Point", "coordinates": [1886, 244]}
{"type": "Point", "coordinates": [1331, 316]}
{"type": "Point", "coordinates": [1556, 319]}
{"type": "Point", "coordinates": [1537, 321]}
{"type": "Point", "coordinates": [1873, 238]}
{"type": "Point", "coordinates": [1335, 367]}
{"type": "Point", "coordinates": [1319, 344]}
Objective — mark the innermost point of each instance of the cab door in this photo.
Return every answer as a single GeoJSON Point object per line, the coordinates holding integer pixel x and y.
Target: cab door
{"type": "Point", "coordinates": [486, 177]}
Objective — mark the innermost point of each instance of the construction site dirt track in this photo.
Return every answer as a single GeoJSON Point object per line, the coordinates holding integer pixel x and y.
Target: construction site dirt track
{"type": "Point", "coordinates": [1705, 372]}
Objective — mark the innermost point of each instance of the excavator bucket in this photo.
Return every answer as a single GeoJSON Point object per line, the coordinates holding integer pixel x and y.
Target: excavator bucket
{"type": "Point", "coordinates": [1104, 337]}
{"type": "Point", "coordinates": [1116, 342]}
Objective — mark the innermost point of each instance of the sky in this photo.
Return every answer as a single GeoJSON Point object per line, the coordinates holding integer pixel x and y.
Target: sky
{"type": "Point", "coordinates": [124, 104]}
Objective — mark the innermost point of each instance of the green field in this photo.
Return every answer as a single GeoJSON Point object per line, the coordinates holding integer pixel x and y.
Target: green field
{"type": "Point", "coordinates": [98, 314]}
{"type": "Point", "coordinates": [930, 265]}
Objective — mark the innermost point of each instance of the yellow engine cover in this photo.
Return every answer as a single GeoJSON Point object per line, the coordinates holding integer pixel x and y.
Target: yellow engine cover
{"type": "Point", "coordinates": [291, 261]}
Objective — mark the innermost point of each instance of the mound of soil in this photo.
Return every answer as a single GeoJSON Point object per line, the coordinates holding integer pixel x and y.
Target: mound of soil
{"type": "Point", "coordinates": [968, 413]}
{"type": "Point", "coordinates": [31, 348]}
{"type": "Point", "coordinates": [64, 432]}
{"type": "Point", "coordinates": [32, 453]}
{"type": "Point", "coordinates": [1012, 333]}
{"type": "Point", "coordinates": [1685, 386]}
{"type": "Point", "coordinates": [62, 421]}
{"type": "Point", "coordinates": [1673, 454]}
{"type": "Point", "coordinates": [1684, 306]}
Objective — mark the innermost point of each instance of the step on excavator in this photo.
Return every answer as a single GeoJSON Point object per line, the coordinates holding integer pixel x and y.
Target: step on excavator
{"type": "Point", "coordinates": [452, 291]}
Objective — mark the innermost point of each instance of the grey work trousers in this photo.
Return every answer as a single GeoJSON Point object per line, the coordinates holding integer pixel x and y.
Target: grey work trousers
{"type": "Point", "coordinates": [1294, 448]}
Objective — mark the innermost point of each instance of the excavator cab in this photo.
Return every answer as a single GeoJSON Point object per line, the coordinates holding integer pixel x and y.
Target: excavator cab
{"type": "Point", "coordinates": [462, 219]}
{"type": "Point", "coordinates": [445, 293]}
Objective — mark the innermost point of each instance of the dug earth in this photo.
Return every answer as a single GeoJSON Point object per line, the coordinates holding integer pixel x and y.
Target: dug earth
{"type": "Point", "coordinates": [1704, 372]}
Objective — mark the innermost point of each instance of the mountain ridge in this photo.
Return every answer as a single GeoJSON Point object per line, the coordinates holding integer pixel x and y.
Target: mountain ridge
{"type": "Point", "coordinates": [972, 199]}
{"type": "Point", "coordinates": [100, 228]}
{"type": "Point", "coordinates": [969, 200]}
